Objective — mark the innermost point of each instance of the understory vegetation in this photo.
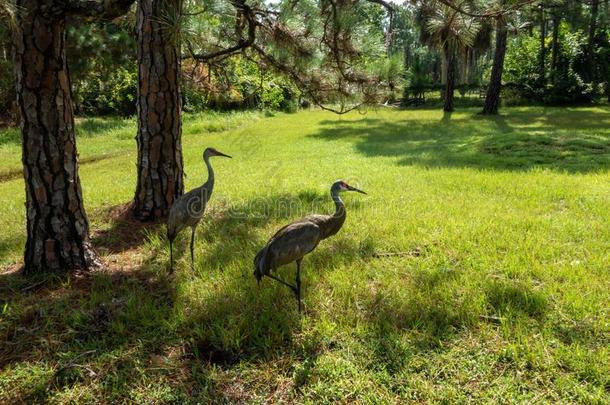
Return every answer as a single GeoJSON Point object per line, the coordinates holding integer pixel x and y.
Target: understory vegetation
{"type": "Point", "coordinates": [476, 268]}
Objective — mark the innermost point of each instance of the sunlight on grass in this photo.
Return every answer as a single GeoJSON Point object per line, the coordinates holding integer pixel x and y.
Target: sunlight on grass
{"type": "Point", "coordinates": [495, 286]}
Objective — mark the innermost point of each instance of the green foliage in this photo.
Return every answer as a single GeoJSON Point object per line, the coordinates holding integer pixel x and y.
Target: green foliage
{"type": "Point", "coordinates": [102, 63]}
{"type": "Point", "coordinates": [240, 83]}
{"type": "Point", "coordinates": [450, 30]}
{"type": "Point", "coordinates": [567, 84]}
{"type": "Point", "coordinates": [564, 85]}
{"type": "Point", "coordinates": [7, 86]}
{"type": "Point", "coordinates": [521, 65]}
{"type": "Point", "coordinates": [114, 94]}
{"type": "Point", "coordinates": [194, 98]}
{"type": "Point", "coordinates": [417, 76]}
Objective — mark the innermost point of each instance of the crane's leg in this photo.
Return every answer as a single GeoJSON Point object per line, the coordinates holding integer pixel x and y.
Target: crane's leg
{"type": "Point", "coordinates": [298, 282]}
{"type": "Point", "coordinates": [193, 249]}
{"type": "Point", "coordinates": [293, 288]}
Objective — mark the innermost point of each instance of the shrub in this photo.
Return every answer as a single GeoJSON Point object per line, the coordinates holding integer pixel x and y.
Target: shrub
{"type": "Point", "coordinates": [116, 95]}
{"type": "Point", "coordinates": [564, 84]}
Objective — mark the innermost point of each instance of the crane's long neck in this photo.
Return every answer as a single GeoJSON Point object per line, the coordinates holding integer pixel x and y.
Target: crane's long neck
{"type": "Point", "coordinates": [210, 182]}
{"type": "Point", "coordinates": [339, 205]}
{"type": "Point", "coordinates": [335, 222]}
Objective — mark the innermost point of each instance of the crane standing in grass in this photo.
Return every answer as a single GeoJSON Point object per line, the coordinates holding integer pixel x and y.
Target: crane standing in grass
{"type": "Point", "coordinates": [189, 208]}
{"type": "Point", "coordinates": [292, 242]}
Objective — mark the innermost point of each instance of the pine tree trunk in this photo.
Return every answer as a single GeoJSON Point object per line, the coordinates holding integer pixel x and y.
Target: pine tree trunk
{"type": "Point", "coordinates": [57, 225]}
{"type": "Point", "coordinates": [555, 46]}
{"type": "Point", "coordinates": [160, 170]}
{"type": "Point", "coordinates": [492, 99]}
{"type": "Point", "coordinates": [450, 85]}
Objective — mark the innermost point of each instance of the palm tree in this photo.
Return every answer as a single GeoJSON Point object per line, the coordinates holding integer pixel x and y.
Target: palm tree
{"type": "Point", "coordinates": [452, 33]}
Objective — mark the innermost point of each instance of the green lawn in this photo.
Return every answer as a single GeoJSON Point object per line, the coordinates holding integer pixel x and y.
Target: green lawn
{"type": "Point", "coordinates": [500, 290]}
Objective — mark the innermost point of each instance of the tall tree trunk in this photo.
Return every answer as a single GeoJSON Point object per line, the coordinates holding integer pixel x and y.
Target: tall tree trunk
{"type": "Point", "coordinates": [591, 40]}
{"type": "Point", "coordinates": [492, 99]}
{"type": "Point", "coordinates": [555, 46]}
{"type": "Point", "coordinates": [450, 85]}
{"type": "Point", "coordinates": [542, 56]}
{"type": "Point", "coordinates": [160, 170]}
{"type": "Point", "coordinates": [57, 225]}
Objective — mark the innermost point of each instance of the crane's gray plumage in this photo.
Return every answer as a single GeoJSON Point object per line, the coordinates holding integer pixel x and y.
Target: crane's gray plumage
{"type": "Point", "coordinates": [292, 242]}
{"type": "Point", "coordinates": [188, 210]}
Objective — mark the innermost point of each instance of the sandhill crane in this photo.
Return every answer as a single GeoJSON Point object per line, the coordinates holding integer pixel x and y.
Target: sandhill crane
{"type": "Point", "coordinates": [189, 208]}
{"type": "Point", "coordinates": [292, 242]}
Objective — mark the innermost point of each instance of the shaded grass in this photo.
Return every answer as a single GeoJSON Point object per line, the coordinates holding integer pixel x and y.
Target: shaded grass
{"type": "Point", "coordinates": [510, 218]}
{"type": "Point", "coordinates": [576, 140]}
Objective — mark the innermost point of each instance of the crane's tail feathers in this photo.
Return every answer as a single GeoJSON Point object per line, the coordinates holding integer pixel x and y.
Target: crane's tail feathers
{"type": "Point", "coordinates": [260, 262]}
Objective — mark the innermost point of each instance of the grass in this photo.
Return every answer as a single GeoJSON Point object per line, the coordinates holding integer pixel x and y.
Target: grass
{"type": "Point", "coordinates": [500, 290]}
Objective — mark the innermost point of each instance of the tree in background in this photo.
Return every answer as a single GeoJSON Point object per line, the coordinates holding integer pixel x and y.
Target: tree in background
{"type": "Point", "coordinates": [57, 225]}
{"type": "Point", "coordinates": [492, 97]}
{"type": "Point", "coordinates": [452, 33]}
{"type": "Point", "coordinates": [500, 16]}
{"type": "Point", "coordinates": [542, 53]}
{"type": "Point", "coordinates": [591, 39]}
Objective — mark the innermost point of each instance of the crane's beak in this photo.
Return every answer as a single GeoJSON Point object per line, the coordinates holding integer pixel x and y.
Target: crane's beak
{"type": "Point", "coordinates": [350, 188]}
{"type": "Point", "coordinates": [222, 154]}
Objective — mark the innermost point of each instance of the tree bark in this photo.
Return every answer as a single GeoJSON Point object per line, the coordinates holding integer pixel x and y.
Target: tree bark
{"type": "Point", "coordinates": [555, 46]}
{"type": "Point", "coordinates": [492, 99]}
{"type": "Point", "coordinates": [542, 56]}
{"type": "Point", "coordinates": [160, 166]}
{"type": "Point", "coordinates": [450, 85]}
{"type": "Point", "coordinates": [57, 225]}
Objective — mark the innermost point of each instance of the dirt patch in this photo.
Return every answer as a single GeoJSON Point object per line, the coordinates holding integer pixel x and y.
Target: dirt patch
{"type": "Point", "coordinates": [119, 243]}
{"type": "Point", "coordinates": [125, 235]}
{"type": "Point", "coordinates": [9, 175]}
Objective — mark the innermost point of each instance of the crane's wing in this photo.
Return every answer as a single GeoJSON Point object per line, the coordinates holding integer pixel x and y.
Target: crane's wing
{"type": "Point", "coordinates": [318, 219]}
{"type": "Point", "coordinates": [187, 210]}
{"type": "Point", "coordinates": [293, 241]}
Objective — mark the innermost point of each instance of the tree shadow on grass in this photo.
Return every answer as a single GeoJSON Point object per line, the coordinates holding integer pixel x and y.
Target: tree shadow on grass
{"type": "Point", "coordinates": [107, 327]}
{"type": "Point", "coordinates": [76, 325]}
{"type": "Point", "coordinates": [120, 330]}
{"type": "Point", "coordinates": [124, 233]}
{"type": "Point", "coordinates": [566, 140]}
